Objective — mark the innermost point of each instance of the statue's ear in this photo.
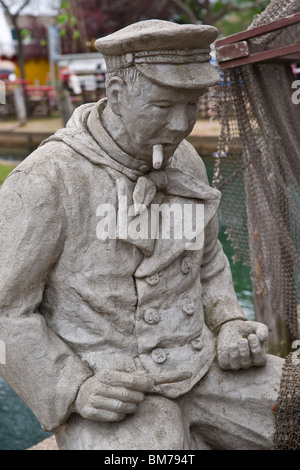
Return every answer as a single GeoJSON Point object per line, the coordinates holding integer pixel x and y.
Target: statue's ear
{"type": "Point", "coordinates": [114, 92]}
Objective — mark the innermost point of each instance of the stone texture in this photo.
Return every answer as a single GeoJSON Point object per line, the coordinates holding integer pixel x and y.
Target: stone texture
{"type": "Point", "coordinates": [113, 339]}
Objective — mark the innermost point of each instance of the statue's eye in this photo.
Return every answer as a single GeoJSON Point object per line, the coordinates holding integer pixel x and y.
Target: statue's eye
{"type": "Point", "coordinates": [162, 105]}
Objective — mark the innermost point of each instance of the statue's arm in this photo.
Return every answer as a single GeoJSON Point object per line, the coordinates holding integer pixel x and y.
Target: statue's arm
{"type": "Point", "coordinates": [219, 298]}
{"type": "Point", "coordinates": [40, 367]}
{"type": "Point", "coordinates": [240, 343]}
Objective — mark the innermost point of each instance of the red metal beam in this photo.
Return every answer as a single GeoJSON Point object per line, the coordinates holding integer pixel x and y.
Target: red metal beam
{"type": "Point", "coordinates": [236, 50]}
{"type": "Point", "coordinates": [259, 30]}
{"type": "Point", "coordinates": [264, 56]}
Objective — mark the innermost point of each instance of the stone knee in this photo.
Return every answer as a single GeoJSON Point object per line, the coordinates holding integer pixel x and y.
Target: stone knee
{"type": "Point", "coordinates": [157, 425]}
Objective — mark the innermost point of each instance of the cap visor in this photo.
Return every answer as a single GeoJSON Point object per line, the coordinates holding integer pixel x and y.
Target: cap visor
{"type": "Point", "coordinates": [191, 76]}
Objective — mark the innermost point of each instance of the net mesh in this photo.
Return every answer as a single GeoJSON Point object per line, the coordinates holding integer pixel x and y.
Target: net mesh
{"type": "Point", "coordinates": [258, 172]}
{"type": "Point", "coordinates": [287, 409]}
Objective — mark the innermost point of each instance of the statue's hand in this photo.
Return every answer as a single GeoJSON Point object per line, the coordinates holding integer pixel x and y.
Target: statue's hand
{"type": "Point", "coordinates": [110, 395]}
{"type": "Point", "coordinates": [240, 345]}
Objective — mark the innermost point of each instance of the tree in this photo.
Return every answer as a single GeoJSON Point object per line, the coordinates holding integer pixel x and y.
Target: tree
{"type": "Point", "coordinates": [213, 11]}
{"type": "Point", "coordinates": [14, 11]}
{"type": "Point", "coordinates": [83, 21]}
{"type": "Point", "coordinates": [121, 13]}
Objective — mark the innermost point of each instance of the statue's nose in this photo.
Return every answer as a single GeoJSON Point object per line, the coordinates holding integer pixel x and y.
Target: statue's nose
{"type": "Point", "coordinates": [178, 119]}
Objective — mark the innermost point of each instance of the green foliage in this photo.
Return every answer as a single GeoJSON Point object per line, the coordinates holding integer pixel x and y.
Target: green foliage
{"type": "Point", "coordinates": [66, 20]}
{"type": "Point", "coordinates": [4, 172]}
{"type": "Point", "coordinates": [62, 32]}
{"type": "Point", "coordinates": [234, 22]}
{"type": "Point", "coordinates": [73, 21]}
{"type": "Point", "coordinates": [216, 11]}
{"type": "Point", "coordinates": [65, 5]}
{"type": "Point", "coordinates": [25, 34]}
{"type": "Point", "coordinates": [218, 5]}
{"type": "Point", "coordinates": [63, 18]}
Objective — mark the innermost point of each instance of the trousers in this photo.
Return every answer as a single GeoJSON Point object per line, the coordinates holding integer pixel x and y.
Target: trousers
{"type": "Point", "coordinates": [226, 410]}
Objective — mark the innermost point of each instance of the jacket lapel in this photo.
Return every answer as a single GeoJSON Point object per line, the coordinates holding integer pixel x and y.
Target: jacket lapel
{"type": "Point", "coordinates": [165, 251]}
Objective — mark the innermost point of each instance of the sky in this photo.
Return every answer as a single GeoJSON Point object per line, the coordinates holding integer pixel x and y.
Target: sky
{"type": "Point", "coordinates": [6, 42]}
{"type": "Point", "coordinates": [36, 7]}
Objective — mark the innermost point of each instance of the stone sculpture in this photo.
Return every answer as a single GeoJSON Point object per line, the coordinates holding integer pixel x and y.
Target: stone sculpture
{"type": "Point", "coordinates": [113, 339]}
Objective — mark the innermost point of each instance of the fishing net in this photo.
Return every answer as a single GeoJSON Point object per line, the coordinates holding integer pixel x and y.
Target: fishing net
{"type": "Point", "coordinates": [287, 408]}
{"type": "Point", "coordinates": [258, 172]}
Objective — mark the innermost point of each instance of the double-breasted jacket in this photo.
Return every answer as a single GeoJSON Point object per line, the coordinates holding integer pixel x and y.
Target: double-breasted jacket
{"type": "Point", "coordinates": [72, 303]}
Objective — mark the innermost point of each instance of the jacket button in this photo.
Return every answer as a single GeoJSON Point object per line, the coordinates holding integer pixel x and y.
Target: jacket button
{"type": "Point", "coordinates": [159, 356]}
{"type": "Point", "coordinates": [186, 265]}
{"type": "Point", "coordinates": [188, 307]}
{"type": "Point", "coordinates": [197, 343]}
{"type": "Point", "coordinates": [153, 280]}
{"type": "Point", "coordinates": [152, 316]}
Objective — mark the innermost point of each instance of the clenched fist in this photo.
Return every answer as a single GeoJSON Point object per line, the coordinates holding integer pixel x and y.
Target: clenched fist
{"type": "Point", "coordinates": [240, 345]}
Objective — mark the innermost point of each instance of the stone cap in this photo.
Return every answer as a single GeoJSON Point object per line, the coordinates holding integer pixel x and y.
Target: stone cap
{"type": "Point", "coordinates": [166, 53]}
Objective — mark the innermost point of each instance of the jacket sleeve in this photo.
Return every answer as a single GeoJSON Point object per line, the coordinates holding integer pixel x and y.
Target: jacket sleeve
{"type": "Point", "coordinates": [43, 370]}
{"type": "Point", "coordinates": [220, 302]}
{"type": "Point", "coordinates": [219, 298]}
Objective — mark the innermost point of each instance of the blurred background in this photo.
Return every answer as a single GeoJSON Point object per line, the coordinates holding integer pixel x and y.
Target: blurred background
{"type": "Point", "coordinates": [47, 47]}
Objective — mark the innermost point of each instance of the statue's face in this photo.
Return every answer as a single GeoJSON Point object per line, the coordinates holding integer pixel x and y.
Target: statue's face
{"type": "Point", "coordinates": [154, 114]}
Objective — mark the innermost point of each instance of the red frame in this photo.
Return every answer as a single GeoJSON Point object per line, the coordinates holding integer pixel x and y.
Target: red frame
{"type": "Point", "coordinates": [234, 51]}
